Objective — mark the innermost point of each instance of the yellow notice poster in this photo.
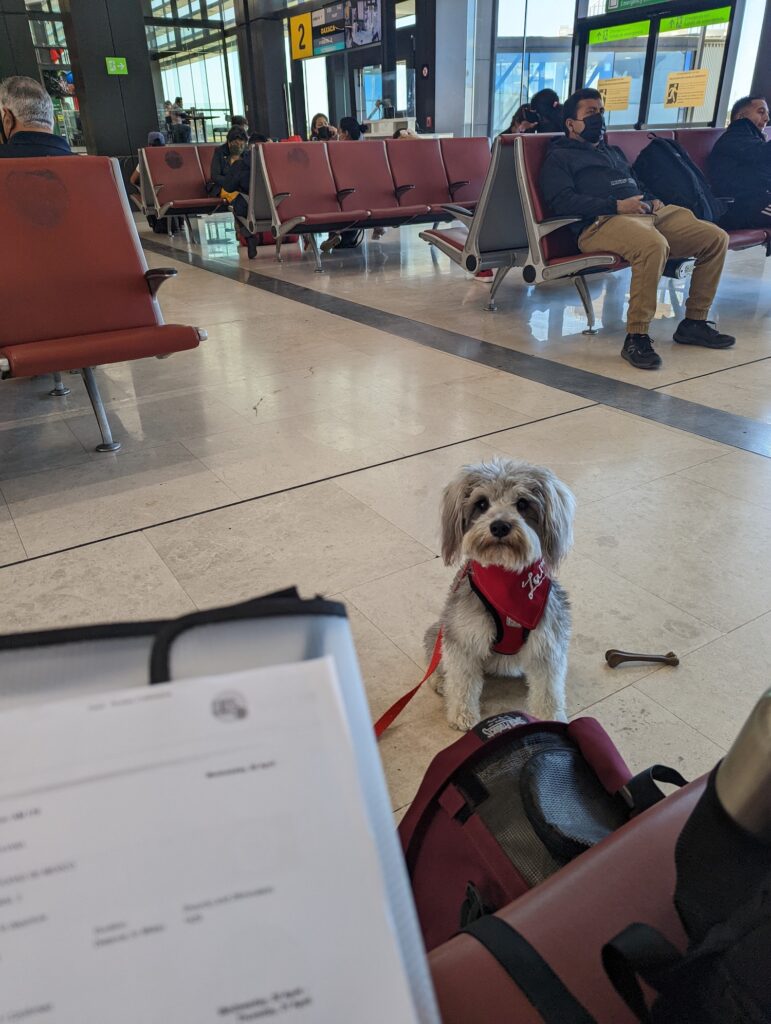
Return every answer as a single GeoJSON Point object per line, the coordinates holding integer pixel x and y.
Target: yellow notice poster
{"type": "Point", "coordinates": [615, 92]}
{"type": "Point", "coordinates": [300, 35]}
{"type": "Point", "coordinates": [686, 88]}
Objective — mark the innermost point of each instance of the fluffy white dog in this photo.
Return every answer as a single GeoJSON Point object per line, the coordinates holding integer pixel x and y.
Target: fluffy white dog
{"type": "Point", "coordinates": [509, 525]}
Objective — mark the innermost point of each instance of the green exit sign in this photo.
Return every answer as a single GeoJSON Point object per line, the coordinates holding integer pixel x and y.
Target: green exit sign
{"type": "Point", "coordinates": [116, 65]}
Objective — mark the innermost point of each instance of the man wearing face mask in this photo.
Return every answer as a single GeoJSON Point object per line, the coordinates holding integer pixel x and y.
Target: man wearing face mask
{"type": "Point", "coordinates": [584, 177]}
{"type": "Point", "coordinates": [27, 121]}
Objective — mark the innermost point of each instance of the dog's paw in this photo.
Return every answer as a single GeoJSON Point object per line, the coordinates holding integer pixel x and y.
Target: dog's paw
{"type": "Point", "coordinates": [549, 713]}
{"type": "Point", "coordinates": [463, 719]}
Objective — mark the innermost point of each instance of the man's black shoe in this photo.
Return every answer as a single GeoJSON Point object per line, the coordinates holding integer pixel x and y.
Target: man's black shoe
{"type": "Point", "coordinates": [638, 350]}
{"type": "Point", "coordinates": [702, 332]}
{"type": "Point", "coordinates": [251, 246]}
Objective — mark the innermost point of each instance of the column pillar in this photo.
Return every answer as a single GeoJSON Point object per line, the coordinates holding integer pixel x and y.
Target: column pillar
{"type": "Point", "coordinates": [117, 111]}
{"type": "Point", "coordinates": [17, 54]}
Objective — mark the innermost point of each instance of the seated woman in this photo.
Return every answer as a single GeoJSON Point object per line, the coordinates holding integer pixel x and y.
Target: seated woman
{"type": "Point", "coordinates": [223, 156]}
{"type": "Point", "coordinates": [321, 129]}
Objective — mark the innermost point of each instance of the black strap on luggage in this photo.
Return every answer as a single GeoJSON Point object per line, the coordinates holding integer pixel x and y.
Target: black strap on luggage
{"type": "Point", "coordinates": [639, 950]}
{"type": "Point", "coordinates": [529, 971]}
{"type": "Point", "coordinates": [641, 792]}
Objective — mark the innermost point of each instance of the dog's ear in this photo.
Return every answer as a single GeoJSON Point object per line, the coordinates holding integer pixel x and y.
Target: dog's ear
{"type": "Point", "coordinates": [556, 526]}
{"type": "Point", "coordinates": [453, 499]}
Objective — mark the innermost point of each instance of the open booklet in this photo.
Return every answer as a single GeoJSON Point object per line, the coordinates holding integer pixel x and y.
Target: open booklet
{"type": "Point", "coordinates": [202, 851]}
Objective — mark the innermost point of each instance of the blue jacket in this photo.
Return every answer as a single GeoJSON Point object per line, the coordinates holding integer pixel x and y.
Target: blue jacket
{"type": "Point", "coordinates": [23, 144]}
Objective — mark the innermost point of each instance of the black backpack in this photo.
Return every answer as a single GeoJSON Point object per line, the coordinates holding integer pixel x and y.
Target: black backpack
{"type": "Point", "coordinates": [669, 174]}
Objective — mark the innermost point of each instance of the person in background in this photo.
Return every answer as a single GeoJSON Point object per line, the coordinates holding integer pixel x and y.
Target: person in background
{"type": "Point", "coordinates": [349, 131]}
{"type": "Point", "coordinates": [27, 120]}
{"type": "Point", "coordinates": [153, 139]}
{"type": "Point", "coordinates": [223, 156]}
{"type": "Point", "coordinates": [520, 122]}
{"type": "Point", "coordinates": [167, 118]}
{"type": "Point", "coordinates": [239, 121]}
{"type": "Point", "coordinates": [235, 184]}
{"type": "Point", "coordinates": [403, 133]}
{"type": "Point", "coordinates": [321, 129]}
{"type": "Point", "coordinates": [739, 166]}
{"type": "Point", "coordinates": [181, 131]}
{"type": "Point", "coordinates": [547, 109]}
{"type": "Point", "coordinates": [584, 177]}
{"type": "Point", "coordinates": [256, 137]}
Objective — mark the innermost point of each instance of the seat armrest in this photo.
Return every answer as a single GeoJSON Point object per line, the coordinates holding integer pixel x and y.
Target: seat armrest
{"type": "Point", "coordinates": [400, 191]}
{"type": "Point", "coordinates": [157, 276]}
{"type": "Point", "coordinates": [455, 185]}
{"type": "Point", "coordinates": [279, 197]}
{"type": "Point", "coordinates": [343, 193]}
{"type": "Point", "coordinates": [545, 227]}
{"type": "Point", "coordinates": [462, 214]}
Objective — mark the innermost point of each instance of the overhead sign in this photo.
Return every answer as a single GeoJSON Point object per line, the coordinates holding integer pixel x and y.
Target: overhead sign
{"type": "Point", "coordinates": [614, 33]}
{"type": "Point", "coordinates": [615, 92]}
{"type": "Point", "coordinates": [717, 16]}
{"type": "Point", "coordinates": [328, 29]}
{"type": "Point", "coordinates": [301, 36]}
{"type": "Point", "coordinates": [686, 88]}
{"type": "Point", "coordinates": [116, 65]}
{"type": "Point", "coordinates": [626, 5]}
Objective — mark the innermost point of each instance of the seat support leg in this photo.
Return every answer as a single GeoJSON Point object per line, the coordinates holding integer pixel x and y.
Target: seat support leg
{"type": "Point", "coordinates": [316, 253]}
{"type": "Point", "coordinates": [500, 273]}
{"type": "Point", "coordinates": [59, 389]}
{"type": "Point", "coordinates": [278, 251]}
{"type": "Point", "coordinates": [107, 445]}
{"type": "Point", "coordinates": [586, 301]}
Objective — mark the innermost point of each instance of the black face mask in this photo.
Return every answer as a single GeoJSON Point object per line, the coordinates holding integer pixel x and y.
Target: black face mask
{"type": "Point", "coordinates": [594, 128]}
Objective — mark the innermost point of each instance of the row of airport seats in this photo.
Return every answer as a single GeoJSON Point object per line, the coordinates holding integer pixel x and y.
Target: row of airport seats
{"type": "Point", "coordinates": [311, 188]}
{"type": "Point", "coordinates": [512, 226]}
{"type": "Point", "coordinates": [99, 306]}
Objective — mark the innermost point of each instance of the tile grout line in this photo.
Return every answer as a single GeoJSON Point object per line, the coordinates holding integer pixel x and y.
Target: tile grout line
{"type": "Point", "coordinates": [714, 424]}
{"type": "Point", "coordinates": [713, 373]}
{"type": "Point", "coordinates": [284, 490]}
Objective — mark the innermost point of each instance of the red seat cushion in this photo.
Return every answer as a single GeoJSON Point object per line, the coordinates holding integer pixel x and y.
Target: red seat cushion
{"type": "Point", "coordinates": [94, 349]}
{"type": "Point", "coordinates": [176, 173]}
{"type": "Point", "coordinates": [632, 143]}
{"type": "Point", "coordinates": [466, 160]}
{"type": "Point", "coordinates": [364, 168]}
{"type": "Point", "coordinates": [302, 170]}
{"type": "Point", "coordinates": [70, 258]}
{"type": "Point", "coordinates": [456, 237]}
{"type": "Point", "coordinates": [746, 238]}
{"type": "Point", "coordinates": [348, 217]}
{"type": "Point", "coordinates": [698, 143]}
{"type": "Point", "coordinates": [617, 264]}
{"type": "Point", "coordinates": [418, 162]}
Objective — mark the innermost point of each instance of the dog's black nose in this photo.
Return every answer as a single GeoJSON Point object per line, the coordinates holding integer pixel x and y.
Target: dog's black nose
{"type": "Point", "coordinates": [499, 528]}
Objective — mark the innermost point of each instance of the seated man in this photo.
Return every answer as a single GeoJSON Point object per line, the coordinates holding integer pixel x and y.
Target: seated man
{"type": "Point", "coordinates": [27, 120]}
{"type": "Point", "coordinates": [584, 177]}
{"type": "Point", "coordinates": [739, 166]}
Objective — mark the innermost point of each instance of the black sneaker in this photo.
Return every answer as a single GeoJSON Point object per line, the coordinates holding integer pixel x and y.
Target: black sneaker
{"type": "Point", "coordinates": [251, 246]}
{"type": "Point", "coordinates": [638, 350]}
{"type": "Point", "coordinates": [702, 332]}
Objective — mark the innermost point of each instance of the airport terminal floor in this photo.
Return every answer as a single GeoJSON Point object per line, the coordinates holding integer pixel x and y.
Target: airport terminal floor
{"type": "Point", "coordinates": [308, 440]}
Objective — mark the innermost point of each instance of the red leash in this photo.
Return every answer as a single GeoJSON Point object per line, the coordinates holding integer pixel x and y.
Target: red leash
{"type": "Point", "coordinates": [396, 709]}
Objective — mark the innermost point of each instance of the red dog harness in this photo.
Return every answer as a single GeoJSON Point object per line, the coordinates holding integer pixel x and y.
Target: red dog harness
{"type": "Point", "coordinates": [515, 600]}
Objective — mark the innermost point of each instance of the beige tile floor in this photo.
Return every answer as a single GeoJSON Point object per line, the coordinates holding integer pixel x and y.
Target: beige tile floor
{"type": "Point", "coordinates": [299, 447]}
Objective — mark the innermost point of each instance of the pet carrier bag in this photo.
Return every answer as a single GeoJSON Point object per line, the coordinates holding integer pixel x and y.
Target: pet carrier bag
{"type": "Point", "coordinates": [506, 806]}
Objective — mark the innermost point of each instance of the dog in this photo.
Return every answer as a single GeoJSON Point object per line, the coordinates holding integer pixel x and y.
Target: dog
{"type": "Point", "coordinates": [509, 524]}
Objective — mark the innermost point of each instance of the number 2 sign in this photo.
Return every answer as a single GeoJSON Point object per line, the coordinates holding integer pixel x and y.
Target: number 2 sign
{"type": "Point", "coordinates": [300, 35]}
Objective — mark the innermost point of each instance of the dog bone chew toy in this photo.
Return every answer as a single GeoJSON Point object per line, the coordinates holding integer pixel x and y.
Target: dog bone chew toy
{"type": "Point", "coordinates": [615, 658]}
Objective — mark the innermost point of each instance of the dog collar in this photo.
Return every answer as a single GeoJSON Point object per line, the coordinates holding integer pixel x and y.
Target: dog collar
{"type": "Point", "coordinates": [515, 600]}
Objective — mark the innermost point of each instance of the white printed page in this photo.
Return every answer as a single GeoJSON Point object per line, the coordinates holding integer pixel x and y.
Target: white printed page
{"type": "Point", "coordinates": [194, 852]}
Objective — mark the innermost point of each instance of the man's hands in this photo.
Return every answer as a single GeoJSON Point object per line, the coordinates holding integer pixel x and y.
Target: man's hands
{"type": "Point", "coordinates": [657, 205]}
{"type": "Point", "coordinates": [634, 205]}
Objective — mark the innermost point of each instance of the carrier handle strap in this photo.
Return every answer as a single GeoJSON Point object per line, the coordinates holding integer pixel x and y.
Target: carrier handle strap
{"type": "Point", "coordinates": [642, 792]}
{"type": "Point", "coordinates": [638, 950]}
{"type": "Point", "coordinates": [529, 971]}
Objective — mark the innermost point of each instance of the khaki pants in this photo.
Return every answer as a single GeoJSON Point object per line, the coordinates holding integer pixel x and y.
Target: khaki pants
{"type": "Point", "coordinates": [647, 243]}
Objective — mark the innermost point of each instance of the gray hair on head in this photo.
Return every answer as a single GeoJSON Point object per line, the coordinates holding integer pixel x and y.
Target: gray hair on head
{"type": "Point", "coordinates": [28, 101]}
